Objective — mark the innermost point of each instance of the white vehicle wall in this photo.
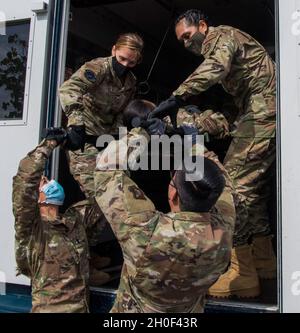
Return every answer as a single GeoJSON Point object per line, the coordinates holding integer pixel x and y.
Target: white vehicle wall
{"type": "Point", "coordinates": [18, 137]}
{"type": "Point", "coordinates": [289, 154]}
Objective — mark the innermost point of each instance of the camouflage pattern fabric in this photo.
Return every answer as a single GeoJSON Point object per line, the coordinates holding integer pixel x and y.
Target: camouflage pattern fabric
{"type": "Point", "coordinates": [82, 167]}
{"type": "Point", "coordinates": [93, 219]}
{"type": "Point", "coordinates": [96, 97]}
{"type": "Point", "coordinates": [247, 72]}
{"type": "Point", "coordinates": [209, 121]}
{"type": "Point", "coordinates": [52, 253]}
{"type": "Point", "coordinates": [170, 260]}
{"type": "Point", "coordinates": [248, 162]}
{"type": "Point", "coordinates": [238, 61]}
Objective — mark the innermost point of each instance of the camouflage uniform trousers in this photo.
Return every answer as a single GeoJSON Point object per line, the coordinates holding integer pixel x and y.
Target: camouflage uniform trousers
{"type": "Point", "coordinates": [82, 167]}
{"type": "Point", "coordinates": [248, 162]}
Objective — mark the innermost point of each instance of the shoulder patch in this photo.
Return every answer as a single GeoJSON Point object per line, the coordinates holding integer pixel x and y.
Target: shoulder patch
{"type": "Point", "coordinates": [137, 193]}
{"type": "Point", "coordinates": [90, 75]}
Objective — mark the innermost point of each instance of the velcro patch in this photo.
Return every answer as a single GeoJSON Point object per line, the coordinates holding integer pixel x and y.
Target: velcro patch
{"type": "Point", "coordinates": [90, 75]}
{"type": "Point", "coordinates": [137, 193]}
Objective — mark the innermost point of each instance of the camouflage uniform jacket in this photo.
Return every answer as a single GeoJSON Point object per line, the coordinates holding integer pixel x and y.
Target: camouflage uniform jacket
{"type": "Point", "coordinates": [53, 253]}
{"type": "Point", "coordinates": [246, 71]}
{"type": "Point", "coordinates": [170, 260]}
{"type": "Point", "coordinates": [96, 97]}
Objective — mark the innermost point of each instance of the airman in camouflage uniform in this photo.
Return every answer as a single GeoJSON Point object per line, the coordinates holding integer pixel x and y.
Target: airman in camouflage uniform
{"type": "Point", "coordinates": [52, 252]}
{"type": "Point", "coordinates": [95, 96]}
{"type": "Point", "coordinates": [246, 71]}
{"type": "Point", "coordinates": [170, 260]}
{"type": "Point", "coordinates": [253, 85]}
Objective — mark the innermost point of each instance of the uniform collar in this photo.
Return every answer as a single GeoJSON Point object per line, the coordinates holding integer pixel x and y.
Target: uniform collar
{"type": "Point", "coordinates": [211, 29]}
{"type": "Point", "coordinates": [190, 216]}
{"type": "Point", "coordinates": [209, 36]}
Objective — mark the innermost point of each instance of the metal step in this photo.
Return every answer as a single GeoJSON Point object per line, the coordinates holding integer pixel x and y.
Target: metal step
{"type": "Point", "coordinates": [212, 306]}
{"type": "Point", "coordinates": [15, 304]}
{"type": "Point", "coordinates": [18, 300]}
{"type": "Point", "coordinates": [228, 306]}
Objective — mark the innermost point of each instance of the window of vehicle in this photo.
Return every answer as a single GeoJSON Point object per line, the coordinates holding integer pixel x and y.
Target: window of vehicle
{"type": "Point", "coordinates": [13, 66]}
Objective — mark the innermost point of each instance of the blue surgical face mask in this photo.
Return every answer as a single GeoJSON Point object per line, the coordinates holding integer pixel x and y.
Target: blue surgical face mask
{"type": "Point", "coordinates": [54, 193]}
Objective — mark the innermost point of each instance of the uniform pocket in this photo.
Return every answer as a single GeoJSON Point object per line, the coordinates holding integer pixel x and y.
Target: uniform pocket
{"type": "Point", "coordinates": [258, 120]}
{"type": "Point", "coordinates": [60, 252]}
{"type": "Point", "coordinates": [237, 154]}
{"type": "Point", "coordinates": [258, 150]}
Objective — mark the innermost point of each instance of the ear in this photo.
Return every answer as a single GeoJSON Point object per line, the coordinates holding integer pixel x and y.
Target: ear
{"type": "Point", "coordinates": [44, 180]}
{"type": "Point", "coordinates": [203, 26]}
{"type": "Point", "coordinates": [42, 197]}
{"type": "Point", "coordinates": [174, 197]}
{"type": "Point", "coordinates": [113, 51]}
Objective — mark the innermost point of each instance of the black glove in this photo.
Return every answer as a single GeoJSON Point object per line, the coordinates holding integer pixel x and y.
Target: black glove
{"type": "Point", "coordinates": [189, 130]}
{"type": "Point", "coordinates": [76, 138]}
{"type": "Point", "coordinates": [58, 134]}
{"type": "Point", "coordinates": [166, 108]}
{"type": "Point", "coordinates": [192, 109]}
{"type": "Point", "coordinates": [155, 127]}
{"type": "Point", "coordinates": [152, 126]}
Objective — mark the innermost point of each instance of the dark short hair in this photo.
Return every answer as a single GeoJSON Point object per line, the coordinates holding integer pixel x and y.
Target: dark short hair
{"type": "Point", "coordinates": [193, 17]}
{"type": "Point", "coordinates": [200, 196]}
{"type": "Point", "coordinates": [137, 108]}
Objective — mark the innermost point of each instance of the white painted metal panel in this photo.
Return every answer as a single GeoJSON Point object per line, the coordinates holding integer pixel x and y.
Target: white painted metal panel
{"type": "Point", "coordinates": [18, 9]}
{"type": "Point", "coordinates": [16, 141]}
{"type": "Point", "coordinates": [289, 36]}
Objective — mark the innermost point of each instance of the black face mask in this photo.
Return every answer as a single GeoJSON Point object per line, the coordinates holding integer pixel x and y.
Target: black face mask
{"type": "Point", "coordinates": [194, 44]}
{"type": "Point", "coordinates": [119, 69]}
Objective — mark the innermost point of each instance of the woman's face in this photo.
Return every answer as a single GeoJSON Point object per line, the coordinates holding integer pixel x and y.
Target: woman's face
{"type": "Point", "coordinates": [125, 56]}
